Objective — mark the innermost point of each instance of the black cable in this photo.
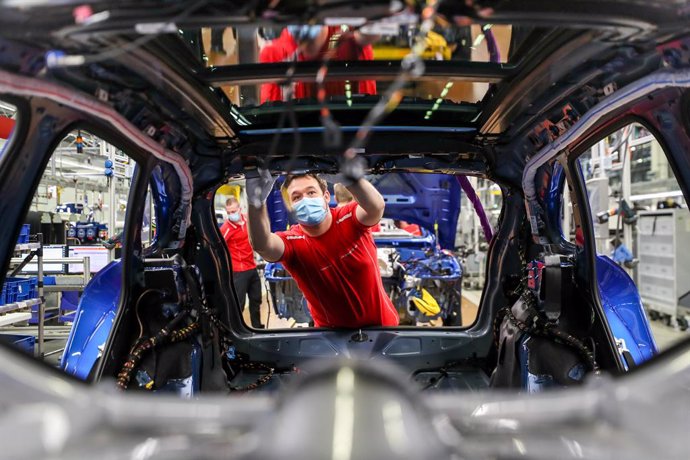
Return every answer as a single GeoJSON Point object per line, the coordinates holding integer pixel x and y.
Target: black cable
{"type": "Point", "coordinates": [326, 117]}
{"type": "Point", "coordinates": [136, 354]}
{"type": "Point", "coordinates": [136, 312]}
{"type": "Point", "coordinates": [289, 105]}
{"type": "Point", "coordinates": [262, 380]}
{"type": "Point", "coordinates": [297, 137]}
{"type": "Point", "coordinates": [411, 66]}
{"type": "Point", "coordinates": [550, 331]}
{"type": "Point", "coordinates": [268, 299]}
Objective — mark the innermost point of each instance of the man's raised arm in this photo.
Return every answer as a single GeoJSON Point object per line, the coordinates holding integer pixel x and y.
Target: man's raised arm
{"type": "Point", "coordinates": [268, 245]}
{"type": "Point", "coordinates": [371, 204]}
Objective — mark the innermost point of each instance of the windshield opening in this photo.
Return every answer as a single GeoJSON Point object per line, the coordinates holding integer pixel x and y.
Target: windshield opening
{"type": "Point", "coordinates": [430, 249]}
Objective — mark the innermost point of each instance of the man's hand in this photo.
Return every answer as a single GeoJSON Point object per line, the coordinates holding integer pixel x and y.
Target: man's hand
{"type": "Point", "coordinates": [350, 172]}
{"type": "Point", "coordinates": [370, 201]}
{"type": "Point", "coordinates": [268, 245]}
{"type": "Point", "coordinates": [258, 188]}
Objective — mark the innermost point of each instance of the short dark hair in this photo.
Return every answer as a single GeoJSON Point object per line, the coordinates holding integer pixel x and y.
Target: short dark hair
{"type": "Point", "coordinates": [231, 200]}
{"type": "Point", "coordinates": [290, 177]}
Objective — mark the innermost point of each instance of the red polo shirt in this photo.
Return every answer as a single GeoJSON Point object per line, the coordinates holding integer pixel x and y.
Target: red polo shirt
{"type": "Point", "coordinates": [284, 48]}
{"type": "Point", "coordinates": [237, 239]}
{"type": "Point", "coordinates": [338, 273]}
{"type": "Point", "coordinates": [413, 229]}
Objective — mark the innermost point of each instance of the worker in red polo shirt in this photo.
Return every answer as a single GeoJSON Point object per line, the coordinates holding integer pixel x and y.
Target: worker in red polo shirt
{"type": "Point", "coordinates": [312, 43]}
{"type": "Point", "coordinates": [246, 278]}
{"type": "Point", "coordinates": [331, 253]}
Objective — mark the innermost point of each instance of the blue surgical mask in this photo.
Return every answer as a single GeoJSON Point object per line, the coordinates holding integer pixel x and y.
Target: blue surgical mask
{"type": "Point", "coordinates": [304, 32]}
{"type": "Point", "coordinates": [234, 217]}
{"type": "Point", "coordinates": [310, 211]}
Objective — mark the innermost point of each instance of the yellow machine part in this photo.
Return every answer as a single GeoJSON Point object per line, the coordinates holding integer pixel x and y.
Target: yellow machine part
{"type": "Point", "coordinates": [229, 190]}
{"type": "Point", "coordinates": [436, 46]}
{"type": "Point", "coordinates": [427, 304]}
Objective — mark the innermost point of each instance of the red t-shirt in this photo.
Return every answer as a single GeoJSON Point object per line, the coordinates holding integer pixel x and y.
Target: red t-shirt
{"type": "Point", "coordinates": [413, 229]}
{"type": "Point", "coordinates": [284, 49]}
{"type": "Point", "coordinates": [237, 239]}
{"type": "Point", "coordinates": [338, 273]}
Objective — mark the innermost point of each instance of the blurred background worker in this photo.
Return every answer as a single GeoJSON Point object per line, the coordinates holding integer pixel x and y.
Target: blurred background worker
{"type": "Point", "coordinates": [343, 197]}
{"type": "Point", "coordinates": [313, 43]}
{"type": "Point", "coordinates": [246, 278]}
{"type": "Point", "coordinates": [621, 254]}
{"type": "Point", "coordinates": [409, 228]}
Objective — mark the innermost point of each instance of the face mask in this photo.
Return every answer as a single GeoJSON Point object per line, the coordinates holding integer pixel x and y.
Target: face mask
{"type": "Point", "coordinates": [310, 211]}
{"type": "Point", "coordinates": [304, 33]}
{"type": "Point", "coordinates": [234, 217]}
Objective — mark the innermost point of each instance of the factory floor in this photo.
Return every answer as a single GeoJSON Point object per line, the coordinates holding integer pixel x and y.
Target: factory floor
{"type": "Point", "coordinates": [470, 301]}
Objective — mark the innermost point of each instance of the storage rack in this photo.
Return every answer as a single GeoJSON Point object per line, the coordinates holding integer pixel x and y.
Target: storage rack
{"type": "Point", "coordinates": [663, 242]}
{"type": "Point", "coordinates": [16, 312]}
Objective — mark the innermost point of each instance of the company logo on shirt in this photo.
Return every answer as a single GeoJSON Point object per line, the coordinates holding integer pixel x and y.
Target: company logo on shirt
{"type": "Point", "coordinates": [295, 237]}
{"type": "Point", "coordinates": [346, 216]}
{"type": "Point", "coordinates": [349, 252]}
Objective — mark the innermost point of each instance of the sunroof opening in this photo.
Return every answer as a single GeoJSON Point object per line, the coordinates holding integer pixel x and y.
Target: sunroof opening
{"type": "Point", "coordinates": [384, 42]}
{"type": "Point", "coordinates": [345, 94]}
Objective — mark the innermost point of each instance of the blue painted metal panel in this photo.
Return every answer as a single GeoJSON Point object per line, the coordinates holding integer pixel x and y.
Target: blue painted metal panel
{"type": "Point", "coordinates": [624, 311]}
{"type": "Point", "coordinates": [619, 295]}
{"type": "Point", "coordinates": [553, 201]}
{"type": "Point", "coordinates": [424, 199]}
{"type": "Point", "coordinates": [426, 241]}
{"type": "Point", "coordinates": [428, 200]}
{"type": "Point", "coordinates": [93, 321]}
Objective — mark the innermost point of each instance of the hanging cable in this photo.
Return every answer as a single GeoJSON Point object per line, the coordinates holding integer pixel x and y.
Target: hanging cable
{"type": "Point", "coordinates": [332, 135]}
{"type": "Point", "coordinates": [477, 204]}
{"type": "Point", "coordinates": [330, 125]}
{"type": "Point", "coordinates": [136, 312]}
{"type": "Point", "coordinates": [268, 300]}
{"type": "Point", "coordinates": [412, 66]}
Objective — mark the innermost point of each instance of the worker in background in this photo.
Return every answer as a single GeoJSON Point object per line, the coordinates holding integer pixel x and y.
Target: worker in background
{"type": "Point", "coordinates": [409, 228]}
{"type": "Point", "coordinates": [312, 43]}
{"type": "Point", "coordinates": [621, 254]}
{"type": "Point", "coordinates": [244, 274]}
{"type": "Point", "coordinates": [343, 197]}
{"type": "Point", "coordinates": [668, 203]}
{"type": "Point", "coordinates": [331, 253]}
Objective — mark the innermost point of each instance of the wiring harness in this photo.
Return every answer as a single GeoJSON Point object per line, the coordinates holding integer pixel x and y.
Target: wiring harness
{"type": "Point", "coordinates": [536, 325]}
{"type": "Point", "coordinates": [165, 335]}
{"type": "Point", "coordinates": [174, 332]}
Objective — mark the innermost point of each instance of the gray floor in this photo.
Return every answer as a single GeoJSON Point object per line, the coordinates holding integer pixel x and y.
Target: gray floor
{"type": "Point", "coordinates": [666, 336]}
